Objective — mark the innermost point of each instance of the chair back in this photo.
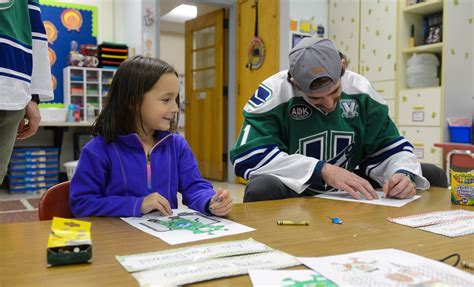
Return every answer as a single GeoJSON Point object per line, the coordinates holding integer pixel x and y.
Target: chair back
{"type": "Point", "coordinates": [55, 202]}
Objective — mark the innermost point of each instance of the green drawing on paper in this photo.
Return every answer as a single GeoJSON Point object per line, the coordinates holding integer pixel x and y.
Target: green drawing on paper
{"type": "Point", "coordinates": [190, 221]}
{"type": "Point", "coordinates": [316, 281]}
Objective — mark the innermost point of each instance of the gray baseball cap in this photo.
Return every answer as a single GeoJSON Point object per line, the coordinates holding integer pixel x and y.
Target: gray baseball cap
{"type": "Point", "coordinates": [312, 59]}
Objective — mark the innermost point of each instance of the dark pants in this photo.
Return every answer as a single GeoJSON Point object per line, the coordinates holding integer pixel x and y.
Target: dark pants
{"type": "Point", "coordinates": [268, 187]}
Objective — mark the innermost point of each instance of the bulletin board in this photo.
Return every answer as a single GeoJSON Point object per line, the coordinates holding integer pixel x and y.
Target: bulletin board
{"type": "Point", "coordinates": [64, 23]}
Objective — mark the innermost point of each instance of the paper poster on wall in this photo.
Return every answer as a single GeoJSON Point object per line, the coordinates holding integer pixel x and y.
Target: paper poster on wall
{"type": "Point", "coordinates": [65, 23]}
{"type": "Point", "coordinates": [185, 225]}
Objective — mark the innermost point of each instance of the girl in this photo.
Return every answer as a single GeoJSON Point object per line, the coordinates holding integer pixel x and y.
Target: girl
{"type": "Point", "coordinates": [136, 163]}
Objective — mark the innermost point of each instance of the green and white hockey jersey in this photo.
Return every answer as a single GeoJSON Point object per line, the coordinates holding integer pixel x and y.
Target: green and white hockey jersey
{"type": "Point", "coordinates": [286, 136]}
{"type": "Point", "coordinates": [24, 62]}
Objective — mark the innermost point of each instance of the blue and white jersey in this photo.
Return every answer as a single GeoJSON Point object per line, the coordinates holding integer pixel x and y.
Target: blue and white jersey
{"type": "Point", "coordinates": [24, 62]}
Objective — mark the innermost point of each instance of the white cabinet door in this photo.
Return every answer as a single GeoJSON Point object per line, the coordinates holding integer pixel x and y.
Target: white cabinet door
{"type": "Point", "coordinates": [386, 89]}
{"type": "Point", "coordinates": [378, 21]}
{"type": "Point", "coordinates": [420, 107]}
{"type": "Point", "coordinates": [343, 29]}
{"type": "Point", "coordinates": [423, 140]}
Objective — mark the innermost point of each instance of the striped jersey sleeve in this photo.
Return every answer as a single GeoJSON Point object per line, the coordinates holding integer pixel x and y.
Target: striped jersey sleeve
{"type": "Point", "coordinates": [24, 64]}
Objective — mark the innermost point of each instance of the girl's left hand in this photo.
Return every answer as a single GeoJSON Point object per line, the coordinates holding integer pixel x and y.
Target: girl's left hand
{"type": "Point", "coordinates": [221, 203]}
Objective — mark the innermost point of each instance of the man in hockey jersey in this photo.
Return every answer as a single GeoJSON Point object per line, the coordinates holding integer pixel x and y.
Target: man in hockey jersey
{"type": "Point", "coordinates": [306, 130]}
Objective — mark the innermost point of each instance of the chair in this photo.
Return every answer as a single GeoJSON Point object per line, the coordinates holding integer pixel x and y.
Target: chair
{"type": "Point", "coordinates": [55, 202]}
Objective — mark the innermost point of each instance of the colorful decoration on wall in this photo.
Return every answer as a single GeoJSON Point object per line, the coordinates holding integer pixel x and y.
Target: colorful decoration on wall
{"type": "Point", "coordinates": [51, 31]}
{"type": "Point", "coordinates": [71, 19]}
{"type": "Point", "coordinates": [256, 50]}
{"type": "Point", "coordinates": [51, 56]}
{"type": "Point", "coordinates": [64, 23]}
{"type": "Point", "coordinates": [54, 82]}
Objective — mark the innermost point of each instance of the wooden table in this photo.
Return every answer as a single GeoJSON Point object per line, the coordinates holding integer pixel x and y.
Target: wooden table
{"type": "Point", "coordinates": [23, 245]}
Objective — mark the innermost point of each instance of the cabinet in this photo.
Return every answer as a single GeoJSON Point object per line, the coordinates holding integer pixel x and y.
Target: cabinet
{"type": "Point", "coordinates": [422, 112]}
{"type": "Point", "coordinates": [87, 89]}
{"type": "Point", "coordinates": [366, 34]}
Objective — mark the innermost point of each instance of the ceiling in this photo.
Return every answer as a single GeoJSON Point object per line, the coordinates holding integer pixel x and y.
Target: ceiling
{"type": "Point", "coordinates": [168, 5]}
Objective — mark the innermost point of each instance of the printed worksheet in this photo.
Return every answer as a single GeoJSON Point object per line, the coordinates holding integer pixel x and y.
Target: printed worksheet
{"type": "Point", "coordinates": [387, 267]}
{"type": "Point", "coordinates": [214, 268]}
{"type": "Point", "coordinates": [190, 254]}
{"type": "Point", "coordinates": [185, 225]}
{"type": "Point", "coordinates": [432, 218]}
{"type": "Point", "coordinates": [287, 278]}
{"type": "Point", "coordinates": [452, 228]}
{"type": "Point", "coordinates": [382, 200]}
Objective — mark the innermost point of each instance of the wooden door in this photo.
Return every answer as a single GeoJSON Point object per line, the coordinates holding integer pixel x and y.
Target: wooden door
{"type": "Point", "coordinates": [205, 105]}
{"type": "Point", "coordinates": [269, 30]}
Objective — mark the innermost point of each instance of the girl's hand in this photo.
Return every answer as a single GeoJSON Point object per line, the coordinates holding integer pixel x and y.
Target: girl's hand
{"type": "Point", "coordinates": [221, 203]}
{"type": "Point", "coordinates": [156, 201]}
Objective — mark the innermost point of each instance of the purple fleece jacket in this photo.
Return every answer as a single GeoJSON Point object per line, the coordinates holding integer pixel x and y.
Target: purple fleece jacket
{"type": "Point", "coordinates": [111, 178]}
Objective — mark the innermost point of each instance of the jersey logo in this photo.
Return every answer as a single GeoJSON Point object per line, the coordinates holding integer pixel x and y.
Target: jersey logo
{"type": "Point", "coordinates": [335, 147]}
{"type": "Point", "coordinates": [300, 112]}
{"type": "Point", "coordinates": [349, 108]}
{"type": "Point", "coordinates": [261, 95]}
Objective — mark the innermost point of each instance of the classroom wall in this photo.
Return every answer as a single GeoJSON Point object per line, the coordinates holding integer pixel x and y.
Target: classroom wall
{"type": "Point", "coordinates": [315, 10]}
{"type": "Point", "coordinates": [105, 17]}
{"type": "Point", "coordinates": [172, 49]}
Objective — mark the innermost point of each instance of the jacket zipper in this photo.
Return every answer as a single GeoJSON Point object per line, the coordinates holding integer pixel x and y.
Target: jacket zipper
{"type": "Point", "coordinates": [148, 162]}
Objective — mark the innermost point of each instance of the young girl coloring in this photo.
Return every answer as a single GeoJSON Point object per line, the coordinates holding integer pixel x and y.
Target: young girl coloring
{"type": "Point", "coordinates": [136, 163]}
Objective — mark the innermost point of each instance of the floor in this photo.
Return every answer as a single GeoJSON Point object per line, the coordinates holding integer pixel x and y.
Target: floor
{"type": "Point", "coordinates": [24, 207]}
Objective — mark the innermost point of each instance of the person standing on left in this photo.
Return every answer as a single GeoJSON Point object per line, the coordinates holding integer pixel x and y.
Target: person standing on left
{"type": "Point", "coordinates": [25, 73]}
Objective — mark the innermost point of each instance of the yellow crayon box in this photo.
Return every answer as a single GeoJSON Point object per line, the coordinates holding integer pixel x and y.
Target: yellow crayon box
{"type": "Point", "coordinates": [69, 242]}
{"type": "Point", "coordinates": [462, 188]}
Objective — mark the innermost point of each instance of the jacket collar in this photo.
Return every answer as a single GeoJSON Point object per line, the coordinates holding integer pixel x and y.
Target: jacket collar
{"type": "Point", "coordinates": [133, 140]}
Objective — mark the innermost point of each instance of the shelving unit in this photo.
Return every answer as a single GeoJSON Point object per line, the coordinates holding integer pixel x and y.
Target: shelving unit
{"type": "Point", "coordinates": [87, 88]}
{"type": "Point", "coordinates": [422, 112]}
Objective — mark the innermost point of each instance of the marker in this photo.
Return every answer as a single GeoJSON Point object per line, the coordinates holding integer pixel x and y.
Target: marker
{"type": "Point", "coordinates": [467, 265]}
{"type": "Point", "coordinates": [289, 222]}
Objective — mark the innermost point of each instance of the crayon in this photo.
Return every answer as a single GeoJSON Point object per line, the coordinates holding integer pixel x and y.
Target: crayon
{"type": "Point", "coordinates": [290, 222]}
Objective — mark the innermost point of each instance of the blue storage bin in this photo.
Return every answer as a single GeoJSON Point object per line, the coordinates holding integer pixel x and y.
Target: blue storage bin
{"type": "Point", "coordinates": [460, 134]}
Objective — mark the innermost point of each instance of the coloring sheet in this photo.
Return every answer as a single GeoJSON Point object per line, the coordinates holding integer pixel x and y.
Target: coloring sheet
{"type": "Point", "coordinates": [387, 267]}
{"type": "Point", "coordinates": [191, 254]}
{"type": "Point", "coordinates": [382, 200]}
{"type": "Point", "coordinates": [452, 229]}
{"type": "Point", "coordinates": [431, 218]}
{"type": "Point", "coordinates": [185, 225]}
{"type": "Point", "coordinates": [287, 278]}
{"type": "Point", "coordinates": [214, 268]}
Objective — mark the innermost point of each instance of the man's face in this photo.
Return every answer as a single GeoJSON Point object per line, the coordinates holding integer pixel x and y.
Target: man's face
{"type": "Point", "coordinates": [327, 99]}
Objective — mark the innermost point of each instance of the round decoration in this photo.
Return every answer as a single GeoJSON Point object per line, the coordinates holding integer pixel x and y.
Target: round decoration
{"type": "Point", "coordinates": [51, 56]}
{"type": "Point", "coordinates": [54, 82]}
{"type": "Point", "coordinates": [51, 31]}
{"type": "Point", "coordinates": [256, 53]}
{"type": "Point", "coordinates": [71, 19]}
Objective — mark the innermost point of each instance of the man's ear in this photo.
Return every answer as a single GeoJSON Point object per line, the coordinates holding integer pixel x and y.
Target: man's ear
{"type": "Point", "coordinates": [344, 66]}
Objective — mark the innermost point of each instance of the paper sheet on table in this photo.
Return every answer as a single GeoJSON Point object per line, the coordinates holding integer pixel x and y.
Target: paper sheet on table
{"type": "Point", "coordinates": [387, 267]}
{"type": "Point", "coordinates": [342, 195]}
{"type": "Point", "coordinates": [185, 225]}
{"type": "Point", "coordinates": [214, 268]}
{"type": "Point", "coordinates": [432, 218]}
{"type": "Point", "coordinates": [268, 278]}
{"type": "Point", "coordinates": [452, 229]}
{"type": "Point", "coordinates": [190, 254]}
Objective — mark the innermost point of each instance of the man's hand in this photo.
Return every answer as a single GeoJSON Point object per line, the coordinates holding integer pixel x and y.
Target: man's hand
{"type": "Point", "coordinates": [348, 181]}
{"type": "Point", "coordinates": [221, 203]}
{"type": "Point", "coordinates": [156, 201]}
{"type": "Point", "coordinates": [30, 122]}
{"type": "Point", "coordinates": [399, 185]}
